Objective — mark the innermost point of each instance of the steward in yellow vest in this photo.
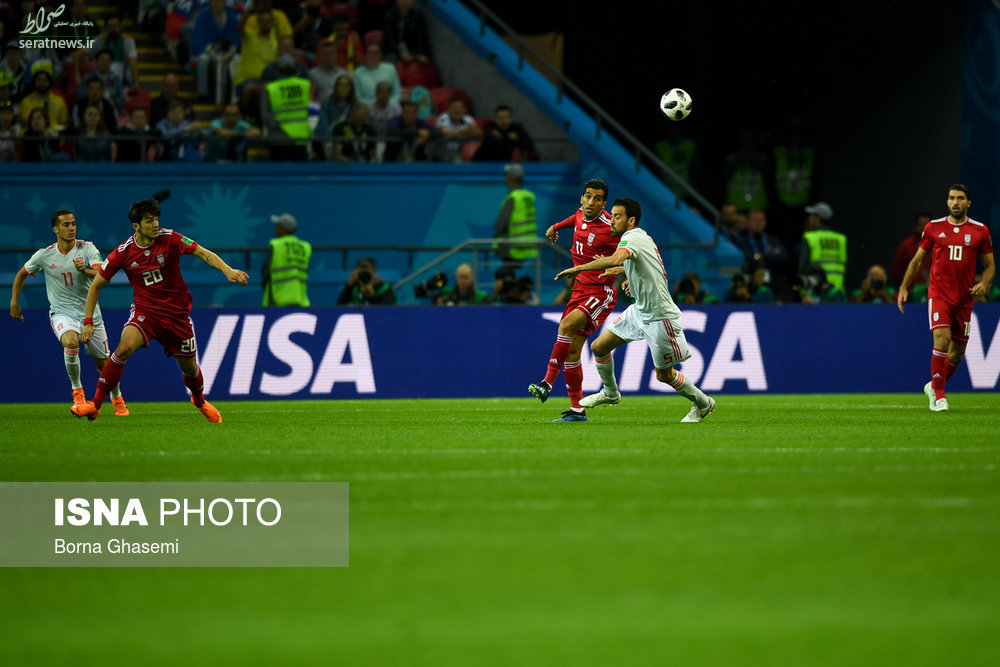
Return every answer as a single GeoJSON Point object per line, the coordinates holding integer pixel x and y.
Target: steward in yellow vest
{"type": "Point", "coordinates": [288, 112]}
{"type": "Point", "coordinates": [286, 269]}
{"type": "Point", "coordinates": [516, 220]}
{"type": "Point", "coordinates": [821, 245]}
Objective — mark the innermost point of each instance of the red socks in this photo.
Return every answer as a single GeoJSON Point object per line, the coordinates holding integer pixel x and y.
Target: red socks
{"type": "Point", "coordinates": [197, 387]}
{"type": "Point", "coordinates": [573, 376]}
{"type": "Point", "coordinates": [558, 357]}
{"type": "Point", "coordinates": [111, 375]}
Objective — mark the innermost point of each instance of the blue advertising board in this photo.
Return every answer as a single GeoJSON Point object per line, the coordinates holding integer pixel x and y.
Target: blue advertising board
{"type": "Point", "coordinates": [495, 351]}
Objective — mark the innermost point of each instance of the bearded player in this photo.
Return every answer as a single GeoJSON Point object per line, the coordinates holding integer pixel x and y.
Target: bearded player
{"type": "Point", "coordinates": [591, 302]}
{"type": "Point", "coordinates": [161, 307]}
{"type": "Point", "coordinates": [954, 243]}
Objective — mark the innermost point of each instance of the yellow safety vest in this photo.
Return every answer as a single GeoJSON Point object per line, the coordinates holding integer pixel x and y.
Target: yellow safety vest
{"type": "Point", "coordinates": [290, 104]}
{"type": "Point", "coordinates": [522, 224]}
{"type": "Point", "coordinates": [289, 272]}
{"type": "Point", "coordinates": [828, 249]}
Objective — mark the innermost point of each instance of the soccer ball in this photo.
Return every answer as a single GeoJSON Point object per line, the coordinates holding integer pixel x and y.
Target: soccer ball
{"type": "Point", "coordinates": [675, 104]}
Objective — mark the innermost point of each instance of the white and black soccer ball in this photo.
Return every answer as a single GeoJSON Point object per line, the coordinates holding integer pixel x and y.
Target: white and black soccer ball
{"type": "Point", "coordinates": [675, 104]}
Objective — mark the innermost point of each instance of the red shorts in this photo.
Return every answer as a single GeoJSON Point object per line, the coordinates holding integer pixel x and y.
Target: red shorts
{"type": "Point", "coordinates": [941, 314]}
{"type": "Point", "coordinates": [176, 336]}
{"type": "Point", "coordinates": [596, 302]}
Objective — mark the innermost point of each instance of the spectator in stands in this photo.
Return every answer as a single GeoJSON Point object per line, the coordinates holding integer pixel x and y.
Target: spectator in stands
{"type": "Point", "coordinates": [814, 288]}
{"type": "Point", "coordinates": [382, 109]}
{"type": "Point", "coordinates": [350, 51]}
{"type": "Point", "coordinates": [43, 97]}
{"type": "Point", "coordinates": [168, 93]}
{"type": "Point", "coordinates": [285, 113]}
{"type": "Point", "coordinates": [40, 143]}
{"type": "Point", "coordinates": [7, 90]}
{"type": "Point", "coordinates": [259, 48]}
{"type": "Point", "coordinates": [372, 72]}
{"type": "Point", "coordinates": [135, 150]}
{"type": "Point", "coordinates": [95, 96]}
{"type": "Point", "coordinates": [178, 28]}
{"type": "Point", "coordinates": [355, 138]}
{"type": "Point", "coordinates": [215, 41]}
{"type": "Point", "coordinates": [312, 28]}
{"type": "Point", "coordinates": [79, 24]}
{"type": "Point", "coordinates": [124, 55]}
{"type": "Point", "coordinates": [465, 292]}
{"type": "Point", "coordinates": [907, 249]}
{"type": "Point", "coordinates": [9, 131]}
{"type": "Point", "coordinates": [407, 136]}
{"type": "Point", "coordinates": [34, 54]}
{"type": "Point", "coordinates": [454, 128]}
{"type": "Point", "coordinates": [326, 72]}
{"type": "Point", "coordinates": [750, 287]}
{"type": "Point", "coordinates": [13, 68]}
{"type": "Point", "coordinates": [502, 136]}
{"type": "Point", "coordinates": [286, 45]}
{"type": "Point", "coordinates": [113, 89]}
{"type": "Point", "coordinates": [759, 246]}
{"type": "Point", "coordinates": [335, 108]}
{"type": "Point", "coordinates": [875, 288]}
{"type": "Point", "coordinates": [406, 35]}
{"type": "Point", "coordinates": [689, 291]}
{"type": "Point", "coordinates": [280, 22]}
{"type": "Point", "coordinates": [181, 137]}
{"type": "Point", "coordinates": [232, 133]}
{"type": "Point", "coordinates": [91, 141]}
{"type": "Point", "coordinates": [366, 288]}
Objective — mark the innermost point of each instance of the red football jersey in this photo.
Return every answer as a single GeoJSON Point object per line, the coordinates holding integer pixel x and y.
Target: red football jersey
{"type": "Point", "coordinates": [954, 250]}
{"type": "Point", "coordinates": [155, 273]}
{"type": "Point", "coordinates": [590, 239]}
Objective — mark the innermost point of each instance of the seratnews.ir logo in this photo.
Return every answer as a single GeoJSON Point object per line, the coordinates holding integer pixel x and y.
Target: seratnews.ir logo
{"type": "Point", "coordinates": [37, 26]}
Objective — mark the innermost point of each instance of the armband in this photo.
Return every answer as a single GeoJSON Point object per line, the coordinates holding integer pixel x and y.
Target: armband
{"type": "Point", "coordinates": [88, 320]}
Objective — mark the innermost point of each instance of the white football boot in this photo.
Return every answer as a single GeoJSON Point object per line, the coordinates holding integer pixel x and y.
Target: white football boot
{"type": "Point", "coordinates": [600, 398]}
{"type": "Point", "coordinates": [696, 414]}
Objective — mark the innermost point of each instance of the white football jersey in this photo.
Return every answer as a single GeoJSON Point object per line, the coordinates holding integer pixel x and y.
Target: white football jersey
{"type": "Point", "coordinates": [65, 286]}
{"type": "Point", "coordinates": [647, 279]}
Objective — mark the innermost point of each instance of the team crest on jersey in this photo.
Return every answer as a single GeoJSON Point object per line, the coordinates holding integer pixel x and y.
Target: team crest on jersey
{"type": "Point", "coordinates": [590, 238]}
{"type": "Point", "coordinates": [968, 239]}
{"type": "Point", "coordinates": [160, 259]}
{"type": "Point", "coordinates": [141, 318]}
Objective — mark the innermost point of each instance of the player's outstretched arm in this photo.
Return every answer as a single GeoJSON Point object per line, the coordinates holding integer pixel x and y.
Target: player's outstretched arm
{"type": "Point", "coordinates": [15, 294]}
{"type": "Point", "coordinates": [912, 269]}
{"type": "Point", "coordinates": [88, 310]}
{"type": "Point", "coordinates": [599, 264]}
{"type": "Point", "coordinates": [213, 260]}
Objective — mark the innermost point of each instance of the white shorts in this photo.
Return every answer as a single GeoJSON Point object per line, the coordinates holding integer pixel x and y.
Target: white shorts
{"type": "Point", "coordinates": [98, 345]}
{"type": "Point", "coordinates": [665, 338]}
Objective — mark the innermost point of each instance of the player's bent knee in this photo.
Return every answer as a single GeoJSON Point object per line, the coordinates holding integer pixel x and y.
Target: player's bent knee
{"type": "Point", "coordinates": [666, 375]}
{"type": "Point", "coordinates": [70, 340]}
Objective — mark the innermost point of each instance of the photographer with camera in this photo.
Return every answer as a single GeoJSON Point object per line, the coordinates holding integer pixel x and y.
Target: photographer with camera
{"type": "Point", "coordinates": [813, 288]}
{"type": "Point", "coordinates": [750, 287]}
{"type": "Point", "coordinates": [464, 293]}
{"type": "Point", "coordinates": [874, 288]}
{"type": "Point", "coordinates": [508, 288]}
{"type": "Point", "coordinates": [689, 291]}
{"type": "Point", "coordinates": [365, 288]}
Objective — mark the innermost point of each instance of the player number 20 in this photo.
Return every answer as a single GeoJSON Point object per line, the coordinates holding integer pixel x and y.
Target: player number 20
{"type": "Point", "coordinates": [188, 346]}
{"type": "Point", "coordinates": [152, 277]}
{"type": "Point", "coordinates": [955, 252]}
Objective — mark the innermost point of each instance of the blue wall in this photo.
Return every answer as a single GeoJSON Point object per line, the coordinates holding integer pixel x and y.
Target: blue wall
{"type": "Point", "coordinates": [226, 206]}
{"type": "Point", "coordinates": [496, 351]}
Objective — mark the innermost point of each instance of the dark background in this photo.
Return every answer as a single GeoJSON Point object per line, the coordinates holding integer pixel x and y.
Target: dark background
{"type": "Point", "coordinates": [876, 86]}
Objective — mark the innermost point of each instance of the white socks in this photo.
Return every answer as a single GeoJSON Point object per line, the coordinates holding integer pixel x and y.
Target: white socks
{"type": "Point", "coordinates": [72, 360]}
{"type": "Point", "coordinates": [606, 369]}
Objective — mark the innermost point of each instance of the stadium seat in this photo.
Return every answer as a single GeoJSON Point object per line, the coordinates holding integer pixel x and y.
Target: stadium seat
{"type": "Point", "coordinates": [418, 74]}
{"type": "Point", "coordinates": [374, 37]}
{"type": "Point", "coordinates": [331, 8]}
{"type": "Point", "coordinates": [469, 149]}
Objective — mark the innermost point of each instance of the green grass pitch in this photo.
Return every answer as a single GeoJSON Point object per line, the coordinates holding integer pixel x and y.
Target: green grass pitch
{"type": "Point", "coordinates": [784, 530]}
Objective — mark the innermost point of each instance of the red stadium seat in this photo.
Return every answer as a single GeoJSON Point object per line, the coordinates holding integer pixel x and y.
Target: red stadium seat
{"type": "Point", "coordinates": [469, 149]}
{"type": "Point", "coordinates": [139, 98]}
{"type": "Point", "coordinates": [418, 74]}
